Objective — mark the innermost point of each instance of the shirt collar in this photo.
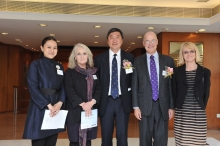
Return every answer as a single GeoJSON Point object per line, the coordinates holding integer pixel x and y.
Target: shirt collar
{"type": "Point", "coordinates": [111, 53]}
{"type": "Point", "coordinates": [155, 55]}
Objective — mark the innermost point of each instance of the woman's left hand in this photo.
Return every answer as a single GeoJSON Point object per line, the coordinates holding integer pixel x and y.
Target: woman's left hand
{"type": "Point", "coordinates": [88, 105]}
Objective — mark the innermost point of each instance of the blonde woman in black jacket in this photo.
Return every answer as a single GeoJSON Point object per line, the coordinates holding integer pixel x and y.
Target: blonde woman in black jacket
{"type": "Point", "coordinates": [191, 86]}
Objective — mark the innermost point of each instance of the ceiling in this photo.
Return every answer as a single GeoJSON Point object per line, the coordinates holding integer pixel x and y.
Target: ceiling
{"type": "Point", "coordinates": [72, 29]}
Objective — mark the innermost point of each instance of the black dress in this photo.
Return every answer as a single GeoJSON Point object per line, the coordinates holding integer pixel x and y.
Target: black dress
{"type": "Point", "coordinates": [42, 74]}
{"type": "Point", "coordinates": [76, 91]}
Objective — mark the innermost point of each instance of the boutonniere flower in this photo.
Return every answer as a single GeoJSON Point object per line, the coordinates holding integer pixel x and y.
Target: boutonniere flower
{"type": "Point", "coordinates": [58, 67]}
{"type": "Point", "coordinates": [127, 64]}
{"type": "Point", "coordinates": [168, 72]}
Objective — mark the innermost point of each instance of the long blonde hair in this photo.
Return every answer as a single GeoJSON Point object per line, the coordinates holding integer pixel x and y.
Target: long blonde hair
{"type": "Point", "coordinates": [72, 61]}
{"type": "Point", "coordinates": [190, 46]}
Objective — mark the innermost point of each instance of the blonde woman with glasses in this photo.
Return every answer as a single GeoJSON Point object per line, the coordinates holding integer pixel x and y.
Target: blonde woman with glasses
{"type": "Point", "coordinates": [191, 86]}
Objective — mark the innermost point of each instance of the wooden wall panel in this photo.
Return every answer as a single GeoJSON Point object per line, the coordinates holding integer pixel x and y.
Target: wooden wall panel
{"type": "Point", "coordinates": [211, 60]}
{"type": "Point", "coordinates": [14, 73]}
{"type": "Point", "coordinates": [3, 77]}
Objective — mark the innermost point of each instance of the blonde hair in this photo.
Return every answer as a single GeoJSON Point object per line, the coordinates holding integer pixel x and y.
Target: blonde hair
{"type": "Point", "coordinates": [72, 61]}
{"type": "Point", "coordinates": [190, 46]}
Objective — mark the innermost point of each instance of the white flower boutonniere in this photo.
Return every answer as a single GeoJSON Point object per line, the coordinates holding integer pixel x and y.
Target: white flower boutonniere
{"type": "Point", "coordinates": [167, 72]}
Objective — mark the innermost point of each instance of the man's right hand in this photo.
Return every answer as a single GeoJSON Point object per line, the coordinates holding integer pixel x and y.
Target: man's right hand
{"type": "Point", "coordinates": [137, 113]}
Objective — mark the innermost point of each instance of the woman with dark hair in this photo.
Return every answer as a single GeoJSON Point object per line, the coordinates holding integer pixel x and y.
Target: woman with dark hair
{"type": "Point", "coordinates": [45, 84]}
{"type": "Point", "coordinates": [83, 94]}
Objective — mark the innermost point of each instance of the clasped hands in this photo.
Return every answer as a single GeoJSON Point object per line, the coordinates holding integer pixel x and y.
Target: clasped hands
{"type": "Point", "coordinates": [87, 107]}
{"type": "Point", "coordinates": [55, 108]}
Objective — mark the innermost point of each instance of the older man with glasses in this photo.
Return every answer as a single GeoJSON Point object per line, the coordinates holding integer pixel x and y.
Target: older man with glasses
{"type": "Point", "coordinates": [151, 93]}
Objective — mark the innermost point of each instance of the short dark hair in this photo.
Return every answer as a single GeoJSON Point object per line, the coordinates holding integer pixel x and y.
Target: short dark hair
{"type": "Point", "coordinates": [48, 38]}
{"type": "Point", "coordinates": [115, 30]}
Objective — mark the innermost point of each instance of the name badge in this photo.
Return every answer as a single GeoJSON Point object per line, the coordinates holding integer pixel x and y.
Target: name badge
{"type": "Point", "coordinates": [164, 73]}
{"type": "Point", "coordinates": [94, 77]}
{"type": "Point", "coordinates": [128, 71]}
{"type": "Point", "coordinates": [59, 72]}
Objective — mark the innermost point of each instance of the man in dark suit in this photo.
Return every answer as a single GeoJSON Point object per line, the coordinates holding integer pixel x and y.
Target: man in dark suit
{"type": "Point", "coordinates": [152, 94]}
{"type": "Point", "coordinates": [115, 103]}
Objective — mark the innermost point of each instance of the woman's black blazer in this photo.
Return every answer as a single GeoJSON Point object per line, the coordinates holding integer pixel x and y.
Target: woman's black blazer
{"type": "Point", "coordinates": [201, 86]}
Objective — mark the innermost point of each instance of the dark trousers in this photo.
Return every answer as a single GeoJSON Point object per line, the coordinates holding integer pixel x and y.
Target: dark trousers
{"type": "Point", "coordinates": [88, 143]}
{"type": "Point", "coordinates": [114, 115]}
{"type": "Point", "coordinates": [153, 127]}
{"type": "Point", "coordinates": [48, 141]}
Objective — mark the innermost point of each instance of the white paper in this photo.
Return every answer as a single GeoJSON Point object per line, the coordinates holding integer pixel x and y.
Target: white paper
{"type": "Point", "coordinates": [55, 122]}
{"type": "Point", "coordinates": [128, 71]}
{"type": "Point", "coordinates": [91, 121]}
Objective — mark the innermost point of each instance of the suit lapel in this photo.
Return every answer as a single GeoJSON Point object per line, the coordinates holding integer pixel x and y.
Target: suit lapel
{"type": "Point", "coordinates": [145, 66]}
{"type": "Point", "coordinates": [199, 74]}
{"type": "Point", "coordinates": [107, 66]}
{"type": "Point", "coordinates": [182, 73]}
{"type": "Point", "coordinates": [122, 71]}
{"type": "Point", "coordinates": [161, 67]}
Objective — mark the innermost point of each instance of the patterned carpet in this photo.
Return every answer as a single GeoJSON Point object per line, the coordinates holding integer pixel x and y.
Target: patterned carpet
{"type": "Point", "coordinates": [96, 142]}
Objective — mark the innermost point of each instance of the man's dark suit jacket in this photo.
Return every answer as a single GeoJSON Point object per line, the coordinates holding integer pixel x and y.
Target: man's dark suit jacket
{"type": "Point", "coordinates": [102, 63]}
{"type": "Point", "coordinates": [141, 86]}
{"type": "Point", "coordinates": [201, 85]}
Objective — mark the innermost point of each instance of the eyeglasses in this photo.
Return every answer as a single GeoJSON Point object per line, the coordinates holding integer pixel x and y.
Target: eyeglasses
{"type": "Point", "coordinates": [189, 52]}
{"type": "Point", "coordinates": [152, 41]}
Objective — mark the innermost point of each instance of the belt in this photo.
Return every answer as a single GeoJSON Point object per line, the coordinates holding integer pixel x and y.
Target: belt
{"type": "Point", "coordinates": [48, 91]}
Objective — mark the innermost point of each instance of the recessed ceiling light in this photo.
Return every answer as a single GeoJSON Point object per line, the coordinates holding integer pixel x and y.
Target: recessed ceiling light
{"type": "Point", "coordinates": [96, 36]}
{"type": "Point", "coordinates": [52, 34]}
{"type": "Point", "coordinates": [97, 26]}
{"type": "Point", "coordinates": [5, 33]}
{"type": "Point", "coordinates": [133, 43]}
{"type": "Point", "coordinates": [150, 28]}
{"type": "Point", "coordinates": [58, 41]}
{"type": "Point", "coordinates": [139, 37]}
{"type": "Point", "coordinates": [18, 40]}
{"type": "Point", "coordinates": [42, 24]}
{"type": "Point", "coordinates": [96, 42]}
{"type": "Point", "coordinates": [26, 45]}
{"type": "Point", "coordinates": [202, 30]}
{"type": "Point", "coordinates": [129, 47]}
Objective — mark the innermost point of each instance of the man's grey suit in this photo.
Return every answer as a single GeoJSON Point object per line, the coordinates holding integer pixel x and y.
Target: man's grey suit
{"type": "Point", "coordinates": [142, 98]}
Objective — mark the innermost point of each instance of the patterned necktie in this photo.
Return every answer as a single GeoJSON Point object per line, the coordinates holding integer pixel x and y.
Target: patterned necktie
{"type": "Point", "coordinates": [114, 81]}
{"type": "Point", "coordinates": [154, 79]}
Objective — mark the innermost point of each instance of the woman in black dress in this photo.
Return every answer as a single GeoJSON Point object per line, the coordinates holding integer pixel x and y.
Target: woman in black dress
{"type": "Point", "coordinates": [83, 94]}
{"type": "Point", "coordinates": [191, 86]}
{"type": "Point", "coordinates": [45, 84]}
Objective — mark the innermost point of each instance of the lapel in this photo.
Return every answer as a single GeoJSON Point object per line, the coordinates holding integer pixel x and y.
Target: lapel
{"type": "Point", "coordinates": [107, 66]}
{"type": "Point", "coordinates": [145, 66]}
{"type": "Point", "coordinates": [161, 67]}
{"type": "Point", "coordinates": [199, 74]}
{"type": "Point", "coordinates": [182, 73]}
{"type": "Point", "coordinates": [122, 70]}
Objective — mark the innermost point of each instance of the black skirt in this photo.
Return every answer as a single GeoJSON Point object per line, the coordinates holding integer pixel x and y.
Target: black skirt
{"type": "Point", "coordinates": [73, 132]}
